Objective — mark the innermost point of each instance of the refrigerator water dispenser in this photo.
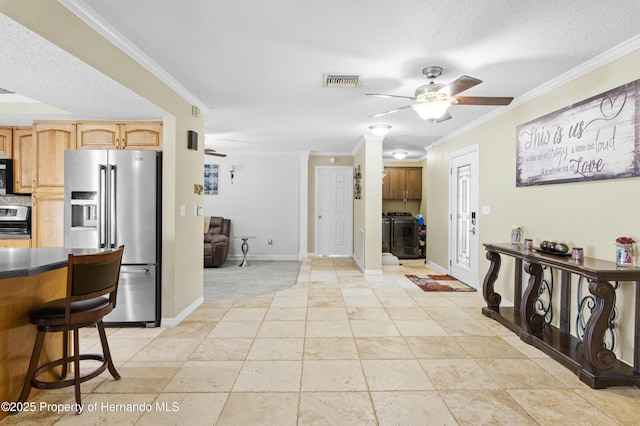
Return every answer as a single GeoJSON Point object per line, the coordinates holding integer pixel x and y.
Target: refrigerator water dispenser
{"type": "Point", "coordinates": [84, 209]}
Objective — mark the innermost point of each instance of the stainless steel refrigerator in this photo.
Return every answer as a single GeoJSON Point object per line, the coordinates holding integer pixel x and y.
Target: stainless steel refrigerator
{"type": "Point", "coordinates": [112, 197]}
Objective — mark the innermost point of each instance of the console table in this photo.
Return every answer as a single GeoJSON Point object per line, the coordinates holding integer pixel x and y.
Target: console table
{"type": "Point", "coordinates": [594, 363]}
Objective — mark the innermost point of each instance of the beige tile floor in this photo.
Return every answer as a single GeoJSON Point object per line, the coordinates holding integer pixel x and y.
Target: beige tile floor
{"type": "Point", "coordinates": [338, 348]}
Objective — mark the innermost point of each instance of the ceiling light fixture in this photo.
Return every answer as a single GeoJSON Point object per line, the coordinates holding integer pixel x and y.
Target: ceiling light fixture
{"type": "Point", "coordinates": [399, 155]}
{"type": "Point", "coordinates": [380, 129]}
{"type": "Point", "coordinates": [431, 110]}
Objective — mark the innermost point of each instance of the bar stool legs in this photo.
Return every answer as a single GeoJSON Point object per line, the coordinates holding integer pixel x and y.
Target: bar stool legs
{"type": "Point", "coordinates": [31, 381]}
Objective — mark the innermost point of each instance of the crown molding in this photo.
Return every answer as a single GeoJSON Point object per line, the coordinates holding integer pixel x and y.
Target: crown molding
{"type": "Point", "coordinates": [599, 61]}
{"type": "Point", "coordinates": [102, 27]}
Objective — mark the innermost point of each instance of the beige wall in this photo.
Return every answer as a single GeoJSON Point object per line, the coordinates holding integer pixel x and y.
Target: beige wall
{"type": "Point", "coordinates": [182, 236]}
{"type": "Point", "coordinates": [589, 214]}
{"type": "Point", "coordinates": [367, 210]}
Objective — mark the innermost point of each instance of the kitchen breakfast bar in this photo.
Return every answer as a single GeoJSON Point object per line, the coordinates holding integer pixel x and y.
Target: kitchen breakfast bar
{"type": "Point", "coordinates": [28, 277]}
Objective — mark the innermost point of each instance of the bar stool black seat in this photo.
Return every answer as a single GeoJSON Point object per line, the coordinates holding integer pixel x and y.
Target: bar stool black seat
{"type": "Point", "coordinates": [92, 285]}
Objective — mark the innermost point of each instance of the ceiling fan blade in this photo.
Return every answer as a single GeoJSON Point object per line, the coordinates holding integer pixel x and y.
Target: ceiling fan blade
{"type": "Point", "coordinates": [460, 85]}
{"type": "Point", "coordinates": [214, 153]}
{"type": "Point", "coordinates": [390, 96]}
{"type": "Point", "coordinates": [390, 111]}
{"type": "Point", "coordinates": [482, 100]}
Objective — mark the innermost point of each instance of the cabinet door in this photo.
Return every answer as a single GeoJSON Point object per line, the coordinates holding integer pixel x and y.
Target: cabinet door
{"type": "Point", "coordinates": [97, 135]}
{"type": "Point", "coordinates": [413, 183]}
{"type": "Point", "coordinates": [25, 243]}
{"type": "Point", "coordinates": [5, 142]}
{"type": "Point", "coordinates": [141, 135]}
{"type": "Point", "coordinates": [47, 221]}
{"type": "Point", "coordinates": [52, 139]}
{"type": "Point", "coordinates": [396, 186]}
{"type": "Point", "coordinates": [24, 155]}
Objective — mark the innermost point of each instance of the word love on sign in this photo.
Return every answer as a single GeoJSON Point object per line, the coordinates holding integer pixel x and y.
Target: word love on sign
{"type": "Point", "coordinates": [591, 140]}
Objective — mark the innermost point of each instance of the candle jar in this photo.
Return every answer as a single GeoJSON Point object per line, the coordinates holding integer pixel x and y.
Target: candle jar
{"type": "Point", "coordinates": [528, 244]}
{"type": "Point", "coordinates": [577, 253]}
{"type": "Point", "coordinates": [624, 254]}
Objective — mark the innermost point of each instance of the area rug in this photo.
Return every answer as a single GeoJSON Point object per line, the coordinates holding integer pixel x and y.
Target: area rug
{"type": "Point", "coordinates": [262, 278]}
{"type": "Point", "coordinates": [431, 284]}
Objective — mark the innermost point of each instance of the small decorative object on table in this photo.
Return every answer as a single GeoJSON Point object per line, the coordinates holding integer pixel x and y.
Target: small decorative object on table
{"type": "Point", "coordinates": [624, 253]}
{"type": "Point", "coordinates": [528, 244]}
{"type": "Point", "coordinates": [577, 254]}
{"type": "Point", "coordinates": [516, 234]}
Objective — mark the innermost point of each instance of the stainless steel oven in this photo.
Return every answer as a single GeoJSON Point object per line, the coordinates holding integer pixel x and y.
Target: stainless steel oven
{"type": "Point", "coordinates": [15, 222]}
{"type": "Point", "coordinates": [6, 176]}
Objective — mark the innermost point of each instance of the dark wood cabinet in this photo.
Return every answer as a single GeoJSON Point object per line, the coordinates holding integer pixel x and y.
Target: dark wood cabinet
{"type": "Point", "coordinates": [402, 183]}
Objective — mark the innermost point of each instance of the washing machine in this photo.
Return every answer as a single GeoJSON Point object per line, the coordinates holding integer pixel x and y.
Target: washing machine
{"type": "Point", "coordinates": [405, 235]}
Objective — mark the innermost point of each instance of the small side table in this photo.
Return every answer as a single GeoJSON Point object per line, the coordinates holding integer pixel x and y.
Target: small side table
{"type": "Point", "coordinates": [245, 250]}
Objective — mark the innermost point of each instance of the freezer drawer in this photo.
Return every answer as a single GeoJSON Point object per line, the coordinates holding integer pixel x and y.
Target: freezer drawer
{"type": "Point", "coordinates": [136, 302]}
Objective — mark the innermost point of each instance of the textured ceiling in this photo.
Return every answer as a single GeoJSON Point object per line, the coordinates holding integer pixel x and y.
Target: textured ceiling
{"type": "Point", "coordinates": [37, 69]}
{"type": "Point", "coordinates": [257, 66]}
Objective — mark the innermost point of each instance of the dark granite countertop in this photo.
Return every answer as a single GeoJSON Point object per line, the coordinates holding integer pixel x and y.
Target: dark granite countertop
{"type": "Point", "coordinates": [24, 262]}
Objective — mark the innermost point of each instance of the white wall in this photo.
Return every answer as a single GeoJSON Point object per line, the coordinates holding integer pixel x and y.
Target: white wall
{"type": "Point", "coordinates": [263, 201]}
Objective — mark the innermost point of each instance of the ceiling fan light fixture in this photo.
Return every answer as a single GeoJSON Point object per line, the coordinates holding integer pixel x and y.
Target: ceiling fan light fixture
{"type": "Point", "coordinates": [399, 155]}
{"type": "Point", "coordinates": [431, 110]}
{"type": "Point", "coordinates": [380, 129]}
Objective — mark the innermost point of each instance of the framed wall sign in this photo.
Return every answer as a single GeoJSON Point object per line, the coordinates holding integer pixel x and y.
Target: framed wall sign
{"type": "Point", "coordinates": [597, 138]}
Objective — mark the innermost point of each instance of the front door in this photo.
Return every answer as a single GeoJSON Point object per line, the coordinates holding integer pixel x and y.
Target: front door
{"type": "Point", "coordinates": [463, 214]}
{"type": "Point", "coordinates": [334, 211]}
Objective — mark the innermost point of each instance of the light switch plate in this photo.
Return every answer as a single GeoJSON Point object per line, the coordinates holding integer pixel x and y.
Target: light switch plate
{"type": "Point", "coordinates": [486, 210]}
{"type": "Point", "coordinates": [183, 210]}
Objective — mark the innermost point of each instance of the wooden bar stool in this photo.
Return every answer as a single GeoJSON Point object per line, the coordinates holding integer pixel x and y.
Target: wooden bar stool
{"type": "Point", "coordinates": [92, 285]}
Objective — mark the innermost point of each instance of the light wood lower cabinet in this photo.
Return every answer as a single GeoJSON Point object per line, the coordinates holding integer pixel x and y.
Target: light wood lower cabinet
{"type": "Point", "coordinates": [22, 243]}
{"type": "Point", "coordinates": [47, 217]}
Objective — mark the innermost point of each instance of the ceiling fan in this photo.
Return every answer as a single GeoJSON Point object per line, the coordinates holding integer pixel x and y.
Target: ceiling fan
{"type": "Point", "coordinates": [432, 101]}
{"type": "Point", "coordinates": [208, 151]}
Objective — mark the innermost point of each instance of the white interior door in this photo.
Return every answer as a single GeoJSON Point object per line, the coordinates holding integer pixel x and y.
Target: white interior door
{"type": "Point", "coordinates": [334, 211]}
{"type": "Point", "coordinates": [463, 214]}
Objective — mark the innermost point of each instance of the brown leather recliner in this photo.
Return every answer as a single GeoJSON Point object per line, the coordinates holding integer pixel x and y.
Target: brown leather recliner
{"type": "Point", "coordinates": [216, 241]}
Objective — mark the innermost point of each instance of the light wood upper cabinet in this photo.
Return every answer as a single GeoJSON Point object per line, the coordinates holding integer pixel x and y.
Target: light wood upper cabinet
{"type": "Point", "coordinates": [125, 135]}
{"type": "Point", "coordinates": [24, 154]}
{"type": "Point", "coordinates": [402, 183]}
{"type": "Point", "coordinates": [97, 135]}
{"type": "Point", "coordinates": [141, 135]}
{"type": "Point", "coordinates": [51, 140]}
{"type": "Point", "coordinates": [5, 142]}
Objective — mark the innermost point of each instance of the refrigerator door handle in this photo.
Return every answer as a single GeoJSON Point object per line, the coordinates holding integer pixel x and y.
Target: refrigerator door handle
{"type": "Point", "coordinates": [135, 271]}
{"type": "Point", "coordinates": [112, 205]}
{"type": "Point", "coordinates": [102, 228]}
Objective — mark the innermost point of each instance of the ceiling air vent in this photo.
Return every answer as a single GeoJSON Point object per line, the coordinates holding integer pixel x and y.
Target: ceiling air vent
{"type": "Point", "coordinates": [341, 80]}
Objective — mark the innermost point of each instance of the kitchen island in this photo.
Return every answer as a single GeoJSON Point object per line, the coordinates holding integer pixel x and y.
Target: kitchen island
{"type": "Point", "coordinates": [28, 277]}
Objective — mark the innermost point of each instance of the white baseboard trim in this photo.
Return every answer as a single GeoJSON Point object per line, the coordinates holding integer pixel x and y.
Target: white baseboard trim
{"type": "Point", "coordinates": [438, 267]}
{"type": "Point", "coordinates": [172, 322]}
{"type": "Point", "coordinates": [251, 257]}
